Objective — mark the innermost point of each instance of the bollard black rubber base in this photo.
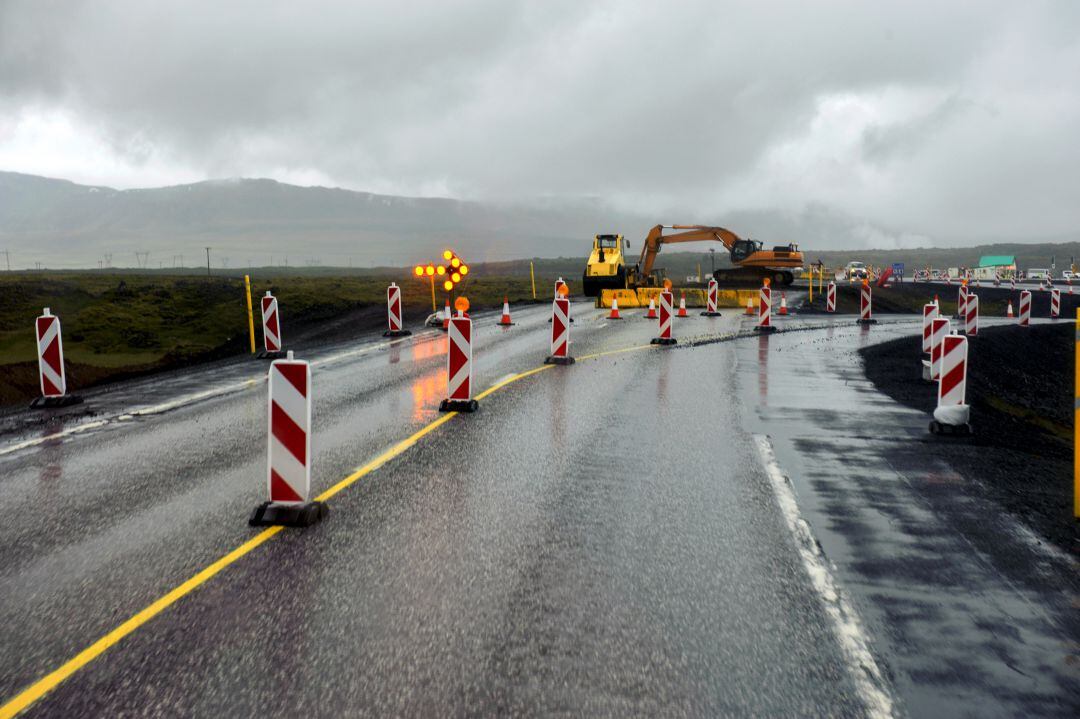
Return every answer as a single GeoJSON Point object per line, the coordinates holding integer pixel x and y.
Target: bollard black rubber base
{"type": "Point", "coordinates": [764, 330]}
{"type": "Point", "coordinates": [666, 341]}
{"type": "Point", "coordinates": [710, 314]}
{"type": "Point", "coordinates": [549, 320]}
{"type": "Point", "coordinates": [459, 405]}
{"type": "Point", "coordinates": [268, 355]}
{"type": "Point", "coordinates": [54, 402]}
{"type": "Point", "coordinates": [269, 514]}
{"type": "Point", "coordinates": [396, 333]}
{"type": "Point", "coordinates": [866, 322]}
{"type": "Point", "coordinates": [953, 430]}
{"type": "Point", "coordinates": [559, 360]}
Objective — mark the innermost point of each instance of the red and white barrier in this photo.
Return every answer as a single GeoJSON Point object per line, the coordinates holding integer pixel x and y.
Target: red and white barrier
{"type": "Point", "coordinates": [1024, 318]}
{"type": "Point", "coordinates": [1012, 283]}
{"type": "Point", "coordinates": [1055, 303]}
{"type": "Point", "coordinates": [961, 303]}
{"type": "Point", "coordinates": [560, 332]}
{"type": "Point", "coordinates": [505, 320]}
{"type": "Point", "coordinates": [929, 313]}
{"type": "Point", "coordinates": [52, 377]}
{"type": "Point", "coordinates": [971, 318]}
{"type": "Point", "coordinates": [393, 312]}
{"type": "Point", "coordinates": [866, 314]}
{"type": "Point", "coordinates": [711, 299]}
{"type": "Point", "coordinates": [271, 326]}
{"type": "Point", "coordinates": [666, 302]}
{"type": "Point", "coordinates": [997, 279]}
{"type": "Point", "coordinates": [830, 298]}
{"type": "Point", "coordinates": [939, 328]}
{"type": "Point", "coordinates": [764, 322]}
{"type": "Point", "coordinates": [614, 314]}
{"type": "Point", "coordinates": [651, 314]}
{"type": "Point", "coordinates": [288, 453]}
{"type": "Point", "coordinates": [682, 306]}
{"type": "Point", "coordinates": [952, 413]}
{"type": "Point", "coordinates": [459, 366]}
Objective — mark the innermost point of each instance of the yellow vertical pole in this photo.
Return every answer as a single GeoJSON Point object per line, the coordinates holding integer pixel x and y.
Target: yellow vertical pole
{"type": "Point", "coordinates": [250, 316]}
{"type": "Point", "coordinates": [532, 276]}
{"type": "Point", "coordinates": [433, 307]}
{"type": "Point", "coordinates": [811, 284]}
{"type": "Point", "coordinates": [820, 278]}
{"type": "Point", "coordinates": [1076, 422]}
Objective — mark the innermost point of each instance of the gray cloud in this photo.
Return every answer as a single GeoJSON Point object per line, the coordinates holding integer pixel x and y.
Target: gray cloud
{"type": "Point", "coordinates": [948, 120]}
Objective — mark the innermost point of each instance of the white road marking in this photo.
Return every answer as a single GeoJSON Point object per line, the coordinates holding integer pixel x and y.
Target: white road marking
{"type": "Point", "coordinates": [854, 642]}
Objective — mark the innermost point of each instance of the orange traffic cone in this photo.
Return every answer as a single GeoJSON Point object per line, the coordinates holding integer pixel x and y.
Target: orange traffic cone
{"type": "Point", "coordinates": [446, 315]}
{"type": "Point", "coordinates": [783, 303]}
{"type": "Point", "coordinates": [651, 315]}
{"type": "Point", "coordinates": [505, 319]}
{"type": "Point", "coordinates": [682, 306]}
{"type": "Point", "coordinates": [614, 310]}
{"type": "Point", "coordinates": [1009, 311]}
{"type": "Point", "coordinates": [750, 307]}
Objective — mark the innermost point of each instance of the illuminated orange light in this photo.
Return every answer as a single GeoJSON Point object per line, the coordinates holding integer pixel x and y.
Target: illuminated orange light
{"type": "Point", "coordinates": [419, 271]}
{"type": "Point", "coordinates": [667, 284]}
{"type": "Point", "coordinates": [447, 254]}
{"type": "Point", "coordinates": [464, 269]}
{"type": "Point", "coordinates": [455, 277]}
{"type": "Point", "coordinates": [430, 270]}
{"type": "Point", "coordinates": [448, 285]}
{"type": "Point", "coordinates": [455, 263]}
{"type": "Point", "coordinates": [441, 270]}
{"type": "Point", "coordinates": [462, 303]}
{"type": "Point", "coordinates": [564, 290]}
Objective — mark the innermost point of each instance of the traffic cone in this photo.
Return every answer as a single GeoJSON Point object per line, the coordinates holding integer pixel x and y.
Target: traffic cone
{"type": "Point", "coordinates": [750, 307]}
{"type": "Point", "coordinates": [446, 316]}
{"type": "Point", "coordinates": [614, 315]}
{"type": "Point", "coordinates": [682, 306]}
{"type": "Point", "coordinates": [783, 303]}
{"type": "Point", "coordinates": [651, 315]}
{"type": "Point", "coordinates": [505, 319]}
{"type": "Point", "coordinates": [1009, 311]}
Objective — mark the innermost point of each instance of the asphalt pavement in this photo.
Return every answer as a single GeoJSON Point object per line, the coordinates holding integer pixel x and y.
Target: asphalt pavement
{"type": "Point", "coordinates": [616, 537]}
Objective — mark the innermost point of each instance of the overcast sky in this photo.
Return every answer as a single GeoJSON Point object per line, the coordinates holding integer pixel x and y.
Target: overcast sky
{"type": "Point", "coordinates": [937, 118]}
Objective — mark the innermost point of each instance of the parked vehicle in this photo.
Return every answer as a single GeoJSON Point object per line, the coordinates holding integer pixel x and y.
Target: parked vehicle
{"type": "Point", "coordinates": [1035, 273]}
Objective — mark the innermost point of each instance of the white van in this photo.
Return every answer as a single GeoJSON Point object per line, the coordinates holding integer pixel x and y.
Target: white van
{"type": "Point", "coordinates": [1037, 274]}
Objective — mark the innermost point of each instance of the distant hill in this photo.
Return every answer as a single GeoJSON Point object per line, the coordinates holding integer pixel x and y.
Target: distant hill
{"type": "Point", "coordinates": [258, 222]}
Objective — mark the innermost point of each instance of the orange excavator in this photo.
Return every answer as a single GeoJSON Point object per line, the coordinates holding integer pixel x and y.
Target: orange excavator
{"type": "Point", "coordinates": [607, 269]}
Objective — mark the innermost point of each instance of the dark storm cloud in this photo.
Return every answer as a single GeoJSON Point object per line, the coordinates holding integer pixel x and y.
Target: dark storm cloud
{"type": "Point", "coordinates": [927, 117]}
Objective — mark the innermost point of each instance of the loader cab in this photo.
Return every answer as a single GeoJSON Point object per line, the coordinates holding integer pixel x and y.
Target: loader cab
{"type": "Point", "coordinates": [606, 268]}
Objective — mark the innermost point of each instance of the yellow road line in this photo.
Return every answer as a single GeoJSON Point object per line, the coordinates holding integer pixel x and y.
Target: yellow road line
{"type": "Point", "coordinates": [53, 679]}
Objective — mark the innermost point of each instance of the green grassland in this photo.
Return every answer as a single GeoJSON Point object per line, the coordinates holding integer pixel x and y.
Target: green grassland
{"type": "Point", "coordinates": [117, 324]}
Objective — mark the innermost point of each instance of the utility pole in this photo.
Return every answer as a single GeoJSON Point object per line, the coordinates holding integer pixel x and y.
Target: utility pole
{"type": "Point", "coordinates": [207, 261]}
{"type": "Point", "coordinates": [7, 254]}
{"type": "Point", "coordinates": [712, 260]}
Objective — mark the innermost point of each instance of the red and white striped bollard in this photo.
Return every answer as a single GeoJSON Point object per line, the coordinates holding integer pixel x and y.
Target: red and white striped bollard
{"type": "Point", "coordinates": [666, 302]}
{"type": "Point", "coordinates": [393, 312]}
{"type": "Point", "coordinates": [866, 313]}
{"type": "Point", "coordinates": [939, 328]}
{"type": "Point", "coordinates": [830, 298]}
{"type": "Point", "coordinates": [288, 451]}
{"type": "Point", "coordinates": [711, 299]}
{"type": "Point", "coordinates": [560, 333]}
{"type": "Point", "coordinates": [952, 415]}
{"type": "Point", "coordinates": [271, 327]}
{"type": "Point", "coordinates": [971, 318]}
{"type": "Point", "coordinates": [764, 322]}
{"type": "Point", "coordinates": [52, 377]}
{"type": "Point", "coordinates": [1055, 303]}
{"type": "Point", "coordinates": [1024, 315]}
{"type": "Point", "coordinates": [459, 364]}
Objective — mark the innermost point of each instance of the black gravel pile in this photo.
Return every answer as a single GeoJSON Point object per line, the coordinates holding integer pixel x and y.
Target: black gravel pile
{"type": "Point", "coordinates": [1020, 388]}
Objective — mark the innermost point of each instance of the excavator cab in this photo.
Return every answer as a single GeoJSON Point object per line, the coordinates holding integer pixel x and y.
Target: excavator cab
{"type": "Point", "coordinates": [742, 249]}
{"type": "Point", "coordinates": [606, 268]}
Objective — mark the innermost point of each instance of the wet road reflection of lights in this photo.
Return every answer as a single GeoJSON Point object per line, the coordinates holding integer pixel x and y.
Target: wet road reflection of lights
{"type": "Point", "coordinates": [763, 369]}
{"type": "Point", "coordinates": [427, 391]}
{"type": "Point", "coordinates": [427, 350]}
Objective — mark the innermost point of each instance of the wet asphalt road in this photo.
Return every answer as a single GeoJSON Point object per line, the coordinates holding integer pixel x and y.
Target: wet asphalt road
{"type": "Point", "coordinates": [598, 539]}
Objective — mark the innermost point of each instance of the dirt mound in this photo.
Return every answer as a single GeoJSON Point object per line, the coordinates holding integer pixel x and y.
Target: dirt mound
{"type": "Point", "coordinates": [1020, 388]}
